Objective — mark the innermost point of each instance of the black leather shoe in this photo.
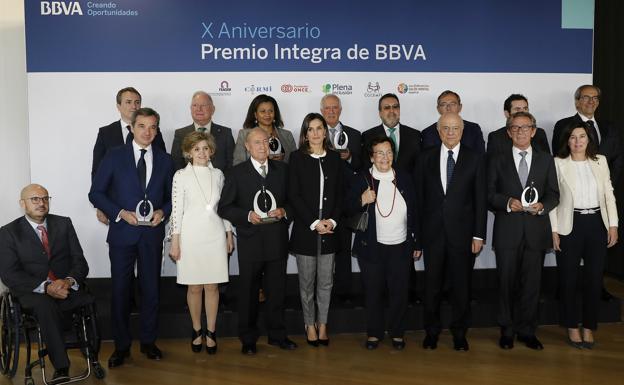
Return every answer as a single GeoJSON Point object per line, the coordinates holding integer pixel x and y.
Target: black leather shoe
{"type": "Point", "coordinates": [324, 342]}
{"type": "Point", "coordinates": [151, 351]}
{"type": "Point", "coordinates": [398, 344]}
{"type": "Point", "coordinates": [117, 358]}
{"type": "Point", "coordinates": [605, 295]}
{"type": "Point", "coordinates": [531, 342]}
{"type": "Point", "coordinates": [249, 349]}
{"type": "Point", "coordinates": [285, 344]}
{"type": "Point", "coordinates": [506, 342]}
{"type": "Point", "coordinates": [60, 375]}
{"type": "Point", "coordinates": [588, 345]}
{"type": "Point", "coordinates": [430, 342]}
{"type": "Point", "coordinates": [372, 344]}
{"type": "Point", "coordinates": [575, 344]}
{"type": "Point", "coordinates": [195, 334]}
{"type": "Point", "coordinates": [310, 342]}
{"type": "Point", "coordinates": [460, 344]}
{"type": "Point", "coordinates": [213, 336]}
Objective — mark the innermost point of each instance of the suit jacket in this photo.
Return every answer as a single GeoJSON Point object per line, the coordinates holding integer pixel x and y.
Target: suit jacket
{"type": "Point", "coordinates": [116, 186]}
{"type": "Point", "coordinates": [512, 228]}
{"type": "Point", "coordinates": [499, 141]}
{"type": "Point", "coordinates": [409, 147]}
{"type": "Point", "coordinates": [609, 146]}
{"type": "Point", "coordinates": [365, 243]}
{"type": "Point", "coordinates": [471, 138]}
{"type": "Point", "coordinates": [458, 216]}
{"type": "Point", "coordinates": [109, 137]}
{"type": "Point", "coordinates": [304, 194]}
{"type": "Point", "coordinates": [24, 264]}
{"type": "Point", "coordinates": [221, 159]}
{"type": "Point", "coordinates": [284, 136]}
{"type": "Point", "coordinates": [237, 198]}
{"type": "Point", "coordinates": [562, 216]}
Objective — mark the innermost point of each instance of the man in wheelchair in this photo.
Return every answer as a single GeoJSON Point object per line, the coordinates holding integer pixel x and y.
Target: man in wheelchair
{"type": "Point", "coordinates": [42, 264]}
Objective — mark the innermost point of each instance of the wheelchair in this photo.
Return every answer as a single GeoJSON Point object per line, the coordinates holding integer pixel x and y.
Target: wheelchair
{"type": "Point", "coordinates": [18, 325]}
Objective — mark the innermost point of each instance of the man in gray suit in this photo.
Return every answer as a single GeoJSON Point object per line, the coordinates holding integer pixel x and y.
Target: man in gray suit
{"type": "Point", "coordinates": [202, 109]}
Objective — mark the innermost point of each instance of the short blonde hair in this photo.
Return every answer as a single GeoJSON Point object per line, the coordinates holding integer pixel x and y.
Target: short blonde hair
{"type": "Point", "coordinates": [192, 139]}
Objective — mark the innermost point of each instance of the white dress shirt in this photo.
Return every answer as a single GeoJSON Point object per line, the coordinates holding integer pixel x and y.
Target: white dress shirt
{"type": "Point", "coordinates": [585, 119]}
{"type": "Point", "coordinates": [149, 160]}
{"type": "Point", "coordinates": [396, 135]}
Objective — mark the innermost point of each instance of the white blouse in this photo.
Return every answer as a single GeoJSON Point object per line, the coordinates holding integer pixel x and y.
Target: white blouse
{"type": "Point", "coordinates": [391, 230]}
{"type": "Point", "coordinates": [586, 189]}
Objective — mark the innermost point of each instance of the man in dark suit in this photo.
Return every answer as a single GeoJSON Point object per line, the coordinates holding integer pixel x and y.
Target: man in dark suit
{"type": "Point", "coordinates": [42, 263]}
{"type": "Point", "coordinates": [521, 228]}
{"type": "Point", "coordinates": [452, 200]}
{"type": "Point", "coordinates": [449, 101]}
{"type": "Point", "coordinates": [499, 140]}
{"type": "Point", "coordinates": [407, 140]}
{"type": "Point", "coordinates": [331, 108]}
{"type": "Point", "coordinates": [118, 132]}
{"type": "Point", "coordinates": [586, 101]}
{"type": "Point", "coordinates": [253, 188]}
{"type": "Point", "coordinates": [129, 175]}
{"type": "Point", "coordinates": [202, 109]}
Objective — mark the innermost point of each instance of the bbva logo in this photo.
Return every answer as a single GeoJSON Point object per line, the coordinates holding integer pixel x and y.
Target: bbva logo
{"type": "Point", "coordinates": [55, 8]}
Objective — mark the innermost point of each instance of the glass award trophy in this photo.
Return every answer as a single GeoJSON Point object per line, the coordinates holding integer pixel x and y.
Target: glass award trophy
{"type": "Point", "coordinates": [144, 212]}
{"type": "Point", "coordinates": [529, 197]}
{"type": "Point", "coordinates": [275, 147]}
{"type": "Point", "coordinates": [341, 141]}
{"type": "Point", "coordinates": [264, 202]}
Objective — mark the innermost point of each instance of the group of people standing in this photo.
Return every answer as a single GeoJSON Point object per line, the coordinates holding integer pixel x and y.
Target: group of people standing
{"type": "Point", "coordinates": [406, 195]}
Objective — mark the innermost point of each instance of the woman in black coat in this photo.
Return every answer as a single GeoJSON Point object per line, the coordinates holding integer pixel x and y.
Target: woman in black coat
{"type": "Point", "coordinates": [315, 192]}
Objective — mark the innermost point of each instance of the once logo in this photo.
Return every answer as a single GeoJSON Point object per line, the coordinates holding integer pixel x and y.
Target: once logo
{"type": "Point", "coordinates": [56, 8]}
{"type": "Point", "coordinates": [287, 88]}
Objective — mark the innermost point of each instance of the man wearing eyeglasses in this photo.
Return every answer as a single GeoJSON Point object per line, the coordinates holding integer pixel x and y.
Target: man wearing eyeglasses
{"type": "Point", "coordinates": [522, 189]}
{"type": "Point", "coordinates": [407, 141]}
{"type": "Point", "coordinates": [450, 102]}
{"type": "Point", "coordinates": [42, 263]}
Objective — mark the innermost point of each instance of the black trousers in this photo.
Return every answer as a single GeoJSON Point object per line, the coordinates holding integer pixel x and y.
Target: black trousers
{"type": "Point", "coordinates": [390, 273]}
{"type": "Point", "coordinates": [519, 278]}
{"type": "Point", "coordinates": [249, 280]}
{"type": "Point", "coordinates": [456, 266]}
{"type": "Point", "coordinates": [587, 241]}
{"type": "Point", "coordinates": [343, 274]}
{"type": "Point", "coordinates": [49, 313]}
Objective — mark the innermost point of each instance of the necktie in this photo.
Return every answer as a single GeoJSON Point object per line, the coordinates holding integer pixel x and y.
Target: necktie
{"type": "Point", "coordinates": [129, 135]}
{"type": "Point", "coordinates": [393, 138]}
{"type": "Point", "coordinates": [46, 247]}
{"type": "Point", "coordinates": [450, 166]}
{"type": "Point", "coordinates": [523, 169]}
{"type": "Point", "coordinates": [591, 127]}
{"type": "Point", "coordinates": [332, 134]}
{"type": "Point", "coordinates": [201, 129]}
{"type": "Point", "coordinates": [142, 169]}
{"type": "Point", "coordinates": [263, 168]}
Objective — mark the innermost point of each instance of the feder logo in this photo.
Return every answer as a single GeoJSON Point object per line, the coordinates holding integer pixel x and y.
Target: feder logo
{"type": "Point", "coordinates": [57, 8]}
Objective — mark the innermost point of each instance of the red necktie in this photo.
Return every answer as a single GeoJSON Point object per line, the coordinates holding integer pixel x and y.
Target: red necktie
{"type": "Point", "coordinates": [46, 247]}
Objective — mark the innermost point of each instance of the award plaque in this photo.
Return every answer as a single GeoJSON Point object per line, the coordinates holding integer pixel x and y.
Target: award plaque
{"type": "Point", "coordinates": [341, 141]}
{"type": "Point", "coordinates": [264, 202]}
{"type": "Point", "coordinates": [275, 147]}
{"type": "Point", "coordinates": [144, 212]}
{"type": "Point", "coordinates": [529, 197]}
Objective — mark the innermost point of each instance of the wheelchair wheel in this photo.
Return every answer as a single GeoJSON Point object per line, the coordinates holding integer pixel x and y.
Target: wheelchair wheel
{"type": "Point", "coordinates": [98, 371]}
{"type": "Point", "coordinates": [29, 381]}
{"type": "Point", "coordinates": [9, 336]}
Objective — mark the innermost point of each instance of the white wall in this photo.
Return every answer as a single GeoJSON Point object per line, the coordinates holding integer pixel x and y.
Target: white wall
{"type": "Point", "coordinates": [14, 149]}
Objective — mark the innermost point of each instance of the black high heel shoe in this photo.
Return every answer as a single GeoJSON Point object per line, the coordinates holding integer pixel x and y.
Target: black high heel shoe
{"type": "Point", "coordinates": [310, 342]}
{"type": "Point", "coordinates": [321, 341]}
{"type": "Point", "coordinates": [212, 336]}
{"type": "Point", "coordinates": [195, 334]}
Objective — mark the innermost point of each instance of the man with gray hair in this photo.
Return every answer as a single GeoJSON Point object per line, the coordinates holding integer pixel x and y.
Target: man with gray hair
{"type": "Point", "coordinates": [202, 109]}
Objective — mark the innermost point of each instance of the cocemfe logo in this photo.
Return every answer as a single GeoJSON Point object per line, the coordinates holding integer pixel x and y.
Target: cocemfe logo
{"type": "Point", "coordinates": [337, 89]}
{"type": "Point", "coordinates": [373, 90]}
{"type": "Point", "coordinates": [57, 8]}
{"type": "Point", "coordinates": [287, 88]}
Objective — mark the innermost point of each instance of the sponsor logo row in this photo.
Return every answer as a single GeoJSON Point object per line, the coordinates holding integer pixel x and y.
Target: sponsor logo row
{"type": "Point", "coordinates": [371, 89]}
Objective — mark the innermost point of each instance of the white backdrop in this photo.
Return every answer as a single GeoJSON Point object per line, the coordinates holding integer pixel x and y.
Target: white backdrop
{"type": "Point", "coordinates": [66, 109]}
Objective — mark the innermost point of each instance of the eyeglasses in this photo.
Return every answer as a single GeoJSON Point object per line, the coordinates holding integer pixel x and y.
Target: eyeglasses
{"type": "Point", "coordinates": [37, 200]}
{"type": "Point", "coordinates": [382, 154]}
{"type": "Point", "coordinates": [448, 105]}
{"type": "Point", "coordinates": [525, 128]}
{"type": "Point", "coordinates": [587, 98]}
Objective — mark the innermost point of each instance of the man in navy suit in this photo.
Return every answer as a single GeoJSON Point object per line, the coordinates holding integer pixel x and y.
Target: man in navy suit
{"type": "Point", "coordinates": [42, 263]}
{"type": "Point", "coordinates": [128, 175]}
{"type": "Point", "coordinates": [118, 132]}
{"type": "Point", "coordinates": [449, 101]}
{"type": "Point", "coordinates": [202, 109]}
{"type": "Point", "coordinates": [331, 108]}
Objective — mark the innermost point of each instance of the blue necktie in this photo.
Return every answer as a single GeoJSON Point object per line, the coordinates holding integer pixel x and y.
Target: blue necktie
{"type": "Point", "coordinates": [142, 169]}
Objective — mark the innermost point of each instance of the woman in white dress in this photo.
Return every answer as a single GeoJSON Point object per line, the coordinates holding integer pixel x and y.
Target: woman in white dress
{"type": "Point", "coordinates": [200, 239]}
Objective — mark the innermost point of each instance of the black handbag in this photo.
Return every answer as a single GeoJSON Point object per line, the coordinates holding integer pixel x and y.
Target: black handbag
{"type": "Point", "coordinates": [359, 221]}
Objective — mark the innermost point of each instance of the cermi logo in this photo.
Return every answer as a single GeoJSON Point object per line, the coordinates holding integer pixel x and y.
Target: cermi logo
{"type": "Point", "coordinates": [57, 8]}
